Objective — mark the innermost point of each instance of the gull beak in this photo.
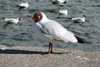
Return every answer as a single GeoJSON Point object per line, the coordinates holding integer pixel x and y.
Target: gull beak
{"type": "Point", "coordinates": [31, 20]}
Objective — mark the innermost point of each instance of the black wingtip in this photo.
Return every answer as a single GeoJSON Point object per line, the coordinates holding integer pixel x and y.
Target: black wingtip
{"type": "Point", "coordinates": [80, 40]}
{"type": "Point", "coordinates": [65, 2]}
{"type": "Point", "coordinates": [69, 18]}
{"type": "Point", "coordinates": [3, 17]}
{"type": "Point", "coordinates": [19, 9]}
{"type": "Point", "coordinates": [17, 6]}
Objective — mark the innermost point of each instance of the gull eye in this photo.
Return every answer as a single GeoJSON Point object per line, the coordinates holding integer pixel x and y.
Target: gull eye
{"type": "Point", "coordinates": [38, 17]}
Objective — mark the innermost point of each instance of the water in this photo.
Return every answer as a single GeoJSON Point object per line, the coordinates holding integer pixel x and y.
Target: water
{"type": "Point", "coordinates": [23, 35]}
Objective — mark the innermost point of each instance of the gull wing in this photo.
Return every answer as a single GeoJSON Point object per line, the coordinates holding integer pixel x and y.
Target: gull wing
{"type": "Point", "coordinates": [54, 31]}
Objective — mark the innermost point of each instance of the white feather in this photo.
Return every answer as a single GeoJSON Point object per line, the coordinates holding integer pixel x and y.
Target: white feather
{"type": "Point", "coordinates": [26, 5]}
{"type": "Point", "coordinates": [12, 20]}
{"type": "Point", "coordinates": [63, 12]}
{"type": "Point", "coordinates": [51, 31]}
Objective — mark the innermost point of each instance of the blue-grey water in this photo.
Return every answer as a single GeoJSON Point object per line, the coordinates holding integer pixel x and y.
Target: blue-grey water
{"type": "Point", "coordinates": [23, 35]}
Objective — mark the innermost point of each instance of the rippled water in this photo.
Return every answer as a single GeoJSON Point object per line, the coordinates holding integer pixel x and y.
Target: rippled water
{"type": "Point", "coordinates": [23, 35]}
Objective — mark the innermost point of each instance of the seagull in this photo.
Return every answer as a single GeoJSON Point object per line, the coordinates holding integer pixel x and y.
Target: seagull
{"type": "Point", "coordinates": [23, 5]}
{"type": "Point", "coordinates": [60, 2]}
{"type": "Point", "coordinates": [63, 12]}
{"type": "Point", "coordinates": [52, 32]}
{"type": "Point", "coordinates": [78, 19]}
{"type": "Point", "coordinates": [12, 20]}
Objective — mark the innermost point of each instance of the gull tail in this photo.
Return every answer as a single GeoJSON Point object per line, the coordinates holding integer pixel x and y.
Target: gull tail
{"type": "Point", "coordinates": [80, 40]}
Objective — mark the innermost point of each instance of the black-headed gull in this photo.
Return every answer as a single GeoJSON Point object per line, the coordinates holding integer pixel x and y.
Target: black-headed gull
{"type": "Point", "coordinates": [51, 31]}
{"type": "Point", "coordinates": [60, 2]}
{"type": "Point", "coordinates": [12, 20]}
{"type": "Point", "coordinates": [63, 12]}
{"type": "Point", "coordinates": [23, 5]}
{"type": "Point", "coordinates": [78, 19]}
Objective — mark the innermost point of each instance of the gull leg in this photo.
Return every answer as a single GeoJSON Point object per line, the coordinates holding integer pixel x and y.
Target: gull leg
{"type": "Point", "coordinates": [49, 52]}
{"type": "Point", "coordinates": [51, 48]}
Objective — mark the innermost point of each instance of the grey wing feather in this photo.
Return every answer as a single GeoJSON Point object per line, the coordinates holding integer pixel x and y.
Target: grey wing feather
{"type": "Point", "coordinates": [78, 21]}
{"type": "Point", "coordinates": [55, 31]}
{"type": "Point", "coordinates": [49, 32]}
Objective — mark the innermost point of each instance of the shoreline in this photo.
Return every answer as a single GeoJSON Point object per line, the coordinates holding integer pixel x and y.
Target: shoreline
{"type": "Point", "coordinates": [21, 56]}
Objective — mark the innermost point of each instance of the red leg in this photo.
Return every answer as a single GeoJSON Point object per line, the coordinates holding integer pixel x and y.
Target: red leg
{"type": "Point", "coordinates": [51, 48]}
{"type": "Point", "coordinates": [49, 52]}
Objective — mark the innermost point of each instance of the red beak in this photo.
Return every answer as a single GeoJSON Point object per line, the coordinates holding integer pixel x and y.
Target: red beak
{"type": "Point", "coordinates": [31, 20]}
